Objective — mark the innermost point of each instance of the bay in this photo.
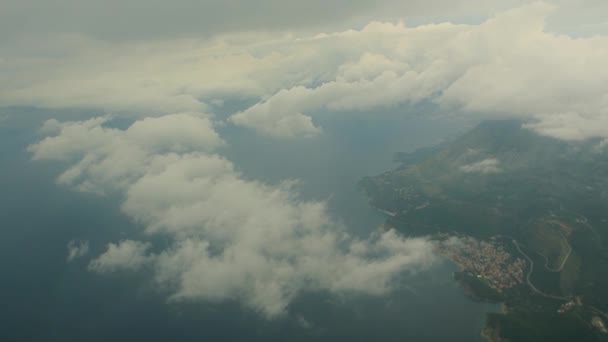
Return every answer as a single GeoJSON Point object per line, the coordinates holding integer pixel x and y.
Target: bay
{"type": "Point", "coordinates": [46, 298]}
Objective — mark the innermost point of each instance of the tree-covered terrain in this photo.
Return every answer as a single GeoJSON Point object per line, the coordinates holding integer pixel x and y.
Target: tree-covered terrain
{"type": "Point", "coordinates": [540, 201]}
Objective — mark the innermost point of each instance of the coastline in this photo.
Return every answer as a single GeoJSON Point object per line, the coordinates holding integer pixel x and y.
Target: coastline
{"type": "Point", "coordinates": [488, 332]}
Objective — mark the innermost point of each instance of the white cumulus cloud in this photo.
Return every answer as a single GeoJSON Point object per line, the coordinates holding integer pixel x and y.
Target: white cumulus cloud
{"type": "Point", "coordinates": [125, 255]}
{"type": "Point", "coordinates": [232, 238]}
{"type": "Point", "coordinates": [509, 65]}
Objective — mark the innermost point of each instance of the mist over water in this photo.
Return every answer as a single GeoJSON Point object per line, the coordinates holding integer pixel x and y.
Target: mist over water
{"type": "Point", "coordinates": [48, 299]}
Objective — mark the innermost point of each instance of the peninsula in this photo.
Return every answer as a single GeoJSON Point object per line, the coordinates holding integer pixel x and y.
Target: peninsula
{"type": "Point", "coordinates": [525, 217]}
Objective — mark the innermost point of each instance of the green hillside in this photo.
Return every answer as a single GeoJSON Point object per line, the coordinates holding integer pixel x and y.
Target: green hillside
{"type": "Point", "coordinates": [545, 200]}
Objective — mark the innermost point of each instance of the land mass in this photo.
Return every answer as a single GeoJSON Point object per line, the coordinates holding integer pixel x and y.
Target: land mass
{"type": "Point", "coordinates": [524, 216]}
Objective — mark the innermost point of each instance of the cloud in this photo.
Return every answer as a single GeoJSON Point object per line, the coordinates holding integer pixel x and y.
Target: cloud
{"type": "Point", "coordinates": [303, 322]}
{"type": "Point", "coordinates": [489, 165]}
{"type": "Point", "coordinates": [236, 238]}
{"type": "Point", "coordinates": [232, 238]}
{"type": "Point", "coordinates": [281, 124]}
{"type": "Point", "coordinates": [110, 159]}
{"type": "Point", "coordinates": [509, 65]}
{"type": "Point", "coordinates": [77, 249]}
{"type": "Point", "coordinates": [497, 68]}
{"type": "Point", "coordinates": [573, 125]}
{"type": "Point", "coordinates": [127, 255]}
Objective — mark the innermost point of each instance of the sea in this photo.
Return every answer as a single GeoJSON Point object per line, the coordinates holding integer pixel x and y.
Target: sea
{"type": "Point", "coordinates": [45, 298]}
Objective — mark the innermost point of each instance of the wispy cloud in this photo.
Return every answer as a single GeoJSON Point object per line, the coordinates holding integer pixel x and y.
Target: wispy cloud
{"type": "Point", "coordinates": [489, 165]}
{"type": "Point", "coordinates": [77, 249]}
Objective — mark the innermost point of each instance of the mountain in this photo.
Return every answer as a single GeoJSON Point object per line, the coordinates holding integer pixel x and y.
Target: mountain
{"type": "Point", "coordinates": [524, 216]}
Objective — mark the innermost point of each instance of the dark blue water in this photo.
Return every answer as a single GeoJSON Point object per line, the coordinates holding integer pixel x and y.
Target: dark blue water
{"type": "Point", "coordinates": [46, 299]}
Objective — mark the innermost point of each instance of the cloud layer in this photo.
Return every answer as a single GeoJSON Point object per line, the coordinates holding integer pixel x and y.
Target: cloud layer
{"type": "Point", "coordinates": [508, 66]}
{"type": "Point", "coordinates": [132, 19]}
{"type": "Point", "coordinates": [231, 238]}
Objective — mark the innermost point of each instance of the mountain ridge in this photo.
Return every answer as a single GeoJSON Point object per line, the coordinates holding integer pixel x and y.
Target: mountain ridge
{"type": "Point", "coordinates": [526, 200]}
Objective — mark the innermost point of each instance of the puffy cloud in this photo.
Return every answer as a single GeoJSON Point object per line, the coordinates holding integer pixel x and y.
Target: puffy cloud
{"type": "Point", "coordinates": [278, 123]}
{"type": "Point", "coordinates": [489, 165]}
{"type": "Point", "coordinates": [109, 158]}
{"type": "Point", "coordinates": [573, 125]}
{"type": "Point", "coordinates": [77, 249]}
{"type": "Point", "coordinates": [157, 77]}
{"type": "Point", "coordinates": [232, 238]}
{"type": "Point", "coordinates": [267, 275]}
{"type": "Point", "coordinates": [509, 65]}
{"type": "Point", "coordinates": [500, 67]}
{"type": "Point", "coordinates": [127, 255]}
{"type": "Point", "coordinates": [174, 133]}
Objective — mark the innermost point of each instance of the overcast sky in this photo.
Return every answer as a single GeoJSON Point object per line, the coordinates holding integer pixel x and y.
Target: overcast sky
{"type": "Point", "coordinates": [119, 19]}
{"type": "Point", "coordinates": [150, 19]}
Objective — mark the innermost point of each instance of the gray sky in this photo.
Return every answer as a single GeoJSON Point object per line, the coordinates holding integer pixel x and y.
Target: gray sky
{"type": "Point", "coordinates": [130, 19]}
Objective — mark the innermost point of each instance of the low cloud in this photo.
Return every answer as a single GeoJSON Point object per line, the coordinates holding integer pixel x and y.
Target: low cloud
{"type": "Point", "coordinates": [126, 255]}
{"type": "Point", "coordinates": [231, 238]}
{"type": "Point", "coordinates": [499, 68]}
{"type": "Point", "coordinates": [77, 249]}
{"type": "Point", "coordinates": [486, 166]}
{"type": "Point", "coordinates": [508, 66]}
{"type": "Point", "coordinates": [110, 159]}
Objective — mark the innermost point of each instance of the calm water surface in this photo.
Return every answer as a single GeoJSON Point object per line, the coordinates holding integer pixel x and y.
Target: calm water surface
{"type": "Point", "coordinates": [47, 299]}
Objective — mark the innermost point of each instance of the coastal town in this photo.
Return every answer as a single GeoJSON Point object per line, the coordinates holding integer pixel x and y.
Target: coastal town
{"type": "Point", "coordinates": [532, 237]}
{"type": "Point", "coordinates": [487, 260]}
